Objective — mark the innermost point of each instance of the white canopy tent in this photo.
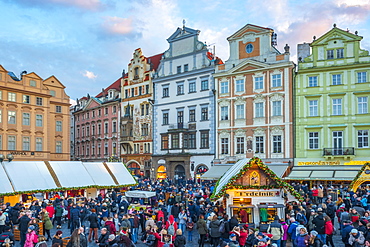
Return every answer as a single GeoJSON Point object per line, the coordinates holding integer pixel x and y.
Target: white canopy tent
{"type": "Point", "coordinates": [139, 194]}
{"type": "Point", "coordinates": [71, 174]}
{"type": "Point", "coordinates": [99, 174]}
{"type": "Point", "coordinates": [215, 172]}
{"type": "Point", "coordinates": [121, 173]}
{"type": "Point", "coordinates": [5, 185]}
{"type": "Point", "coordinates": [29, 175]}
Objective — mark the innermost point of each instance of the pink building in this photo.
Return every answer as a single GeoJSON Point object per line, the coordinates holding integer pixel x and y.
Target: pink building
{"type": "Point", "coordinates": [96, 125]}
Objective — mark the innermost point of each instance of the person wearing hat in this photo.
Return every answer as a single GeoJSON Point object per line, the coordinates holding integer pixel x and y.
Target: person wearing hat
{"type": "Point", "coordinates": [346, 230]}
{"type": "Point", "coordinates": [292, 230]}
{"type": "Point", "coordinates": [31, 237]}
{"type": "Point", "coordinates": [251, 239]}
{"type": "Point", "coordinates": [319, 223]}
{"type": "Point", "coordinates": [356, 237]}
{"type": "Point", "coordinates": [315, 241]}
{"type": "Point", "coordinates": [7, 234]}
{"type": "Point", "coordinates": [232, 240]}
{"type": "Point", "coordinates": [112, 242]}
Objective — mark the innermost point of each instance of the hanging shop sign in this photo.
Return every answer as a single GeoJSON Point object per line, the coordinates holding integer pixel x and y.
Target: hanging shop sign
{"type": "Point", "coordinates": [256, 193]}
{"type": "Point", "coordinates": [332, 163]}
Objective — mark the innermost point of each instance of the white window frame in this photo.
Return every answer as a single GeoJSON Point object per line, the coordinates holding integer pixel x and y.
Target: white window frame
{"type": "Point", "coordinates": [12, 143]}
{"type": "Point", "coordinates": [39, 120]}
{"type": "Point", "coordinates": [313, 81]}
{"type": "Point", "coordinates": [12, 97]}
{"type": "Point", "coordinates": [59, 125]}
{"type": "Point", "coordinates": [313, 108]}
{"type": "Point", "coordinates": [192, 87]}
{"type": "Point", "coordinates": [362, 105]}
{"type": "Point", "coordinates": [26, 118]}
{"type": "Point", "coordinates": [259, 111]}
{"type": "Point", "coordinates": [277, 145]}
{"type": "Point", "coordinates": [240, 111]}
{"type": "Point", "coordinates": [240, 145]}
{"type": "Point", "coordinates": [239, 85]}
{"type": "Point", "coordinates": [363, 138]}
{"type": "Point", "coordinates": [336, 79]}
{"type": "Point", "coordinates": [276, 80]}
{"type": "Point", "coordinates": [361, 77]}
{"type": "Point", "coordinates": [26, 143]}
{"type": "Point", "coordinates": [258, 83]}
{"type": "Point", "coordinates": [260, 144]}
{"type": "Point", "coordinates": [204, 85]}
{"type": "Point", "coordinates": [313, 140]}
{"type": "Point", "coordinates": [276, 108]}
{"type": "Point", "coordinates": [224, 85]}
{"type": "Point", "coordinates": [224, 146]}
{"type": "Point", "coordinates": [39, 144]}
{"type": "Point", "coordinates": [224, 112]}
{"type": "Point", "coordinates": [58, 147]}
{"type": "Point", "coordinates": [337, 107]}
{"type": "Point", "coordinates": [180, 88]}
{"type": "Point", "coordinates": [12, 117]}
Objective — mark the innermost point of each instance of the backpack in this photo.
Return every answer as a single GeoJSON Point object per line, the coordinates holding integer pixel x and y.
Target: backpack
{"type": "Point", "coordinates": [3, 236]}
{"type": "Point", "coordinates": [150, 240]}
{"type": "Point", "coordinates": [189, 226]}
{"type": "Point", "coordinates": [171, 229]}
{"type": "Point", "coordinates": [222, 227]}
{"type": "Point", "coordinates": [302, 217]}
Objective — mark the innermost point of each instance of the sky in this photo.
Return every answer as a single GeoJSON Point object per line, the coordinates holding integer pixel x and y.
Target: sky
{"type": "Point", "coordinates": [87, 43]}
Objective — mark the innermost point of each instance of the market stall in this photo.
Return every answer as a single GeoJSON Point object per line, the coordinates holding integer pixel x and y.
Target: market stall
{"type": "Point", "coordinates": [363, 176]}
{"type": "Point", "coordinates": [251, 190]}
{"type": "Point", "coordinates": [139, 198]}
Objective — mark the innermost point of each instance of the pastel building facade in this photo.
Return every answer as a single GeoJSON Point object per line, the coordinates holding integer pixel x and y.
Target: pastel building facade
{"type": "Point", "coordinates": [183, 118]}
{"type": "Point", "coordinates": [254, 99]}
{"type": "Point", "coordinates": [34, 117]}
{"type": "Point", "coordinates": [136, 121]}
{"type": "Point", "coordinates": [96, 125]}
{"type": "Point", "coordinates": [332, 100]}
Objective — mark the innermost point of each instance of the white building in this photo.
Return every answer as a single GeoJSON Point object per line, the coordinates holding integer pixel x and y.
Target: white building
{"type": "Point", "coordinates": [183, 118]}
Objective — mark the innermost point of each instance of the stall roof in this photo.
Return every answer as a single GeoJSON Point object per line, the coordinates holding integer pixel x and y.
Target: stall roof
{"type": "Point", "coordinates": [99, 174]}
{"type": "Point", "coordinates": [215, 172]}
{"type": "Point", "coordinates": [140, 194]}
{"type": "Point", "coordinates": [121, 173]}
{"type": "Point", "coordinates": [278, 168]}
{"type": "Point", "coordinates": [325, 172]}
{"type": "Point", "coordinates": [71, 174]}
{"type": "Point", "coordinates": [29, 175]}
{"type": "Point", "coordinates": [5, 185]}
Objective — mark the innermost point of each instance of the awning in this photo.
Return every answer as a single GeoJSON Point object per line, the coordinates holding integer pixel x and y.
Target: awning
{"type": "Point", "coordinates": [121, 173]}
{"type": "Point", "coordinates": [140, 194]}
{"type": "Point", "coordinates": [99, 174]}
{"type": "Point", "coordinates": [29, 175]}
{"type": "Point", "coordinates": [278, 168]}
{"type": "Point", "coordinates": [215, 172]}
{"type": "Point", "coordinates": [5, 185]}
{"type": "Point", "coordinates": [72, 174]}
{"type": "Point", "coordinates": [270, 205]}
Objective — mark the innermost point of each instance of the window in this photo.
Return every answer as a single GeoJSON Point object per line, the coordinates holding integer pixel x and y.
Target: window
{"type": "Point", "coordinates": [192, 115]}
{"type": "Point", "coordinates": [224, 113]}
{"type": "Point", "coordinates": [340, 53]}
{"type": "Point", "coordinates": [224, 87]}
{"type": "Point", "coordinates": [144, 129]}
{"type": "Point", "coordinates": [114, 127]}
{"type": "Point", "coordinates": [258, 83]}
{"type": "Point", "coordinates": [312, 81]}
{"type": "Point", "coordinates": [38, 101]}
{"type": "Point", "coordinates": [192, 87]}
{"type": "Point", "coordinates": [259, 110]}
{"type": "Point", "coordinates": [240, 145]}
{"type": "Point", "coordinates": [180, 88]}
{"type": "Point", "coordinates": [106, 110]}
{"type": "Point", "coordinates": [140, 90]}
{"type": "Point", "coordinates": [93, 130]}
{"type": "Point", "coordinates": [175, 141]}
{"type": "Point", "coordinates": [146, 109]}
{"type": "Point", "coordinates": [26, 119]}
{"type": "Point", "coordinates": [58, 108]}
{"type": "Point", "coordinates": [1, 116]}
{"type": "Point", "coordinates": [165, 118]}
{"type": "Point", "coordinates": [164, 142]}
{"type": "Point", "coordinates": [362, 107]}
{"type": "Point", "coordinates": [26, 99]}
{"type": "Point", "coordinates": [313, 140]}
{"type": "Point", "coordinates": [178, 69]}
{"type": "Point", "coordinates": [186, 67]}
{"type": "Point", "coordinates": [224, 145]}
{"type": "Point", "coordinates": [259, 144]}
{"type": "Point", "coordinates": [276, 80]}
{"type": "Point", "coordinates": [39, 144]}
{"type": "Point", "coordinates": [337, 79]}
{"type": "Point", "coordinates": [1, 94]}
{"type": "Point", "coordinates": [361, 77]}
{"type": "Point", "coordinates": [99, 129]}
{"type": "Point", "coordinates": [191, 140]}
{"type": "Point", "coordinates": [26, 144]}
{"type": "Point", "coordinates": [106, 148]}
{"type": "Point", "coordinates": [276, 108]}
{"type": "Point", "coordinates": [12, 97]}
{"type": "Point", "coordinates": [142, 110]}
{"type": "Point", "coordinates": [105, 128]}
{"type": "Point", "coordinates": [180, 117]}
{"type": "Point", "coordinates": [204, 139]}
{"type": "Point", "coordinates": [276, 144]}
{"type": "Point", "coordinates": [146, 89]}
{"type": "Point", "coordinates": [363, 138]}
{"type": "Point", "coordinates": [126, 93]}
{"type": "Point", "coordinates": [249, 48]}
{"type": "Point", "coordinates": [38, 120]}
{"type": "Point", "coordinates": [132, 92]}
{"type": "Point", "coordinates": [204, 116]}
{"type": "Point", "coordinates": [136, 70]}
{"type": "Point", "coordinates": [166, 92]}
{"type": "Point", "coordinates": [204, 85]}
{"type": "Point", "coordinates": [337, 106]}
{"type": "Point", "coordinates": [330, 54]}
{"type": "Point", "coordinates": [11, 143]}
{"type": "Point", "coordinates": [52, 93]}
{"type": "Point", "coordinates": [11, 117]}
{"type": "Point", "coordinates": [114, 109]}
{"type": "Point", "coordinates": [240, 111]}
{"type": "Point", "coordinates": [32, 83]}
{"type": "Point", "coordinates": [313, 108]}
{"type": "Point", "coordinates": [58, 147]}
{"type": "Point", "coordinates": [239, 85]}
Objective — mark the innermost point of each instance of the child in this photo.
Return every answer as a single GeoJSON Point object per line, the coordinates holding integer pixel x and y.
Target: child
{"type": "Point", "coordinates": [190, 228]}
{"type": "Point", "coordinates": [31, 237]}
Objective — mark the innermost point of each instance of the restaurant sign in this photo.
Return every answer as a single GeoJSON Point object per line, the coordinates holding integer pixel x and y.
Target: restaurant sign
{"type": "Point", "coordinates": [332, 163]}
{"type": "Point", "coordinates": [256, 193]}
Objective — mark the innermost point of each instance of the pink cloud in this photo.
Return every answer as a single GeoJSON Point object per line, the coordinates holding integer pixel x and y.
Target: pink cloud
{"type": "Point", "coordinates": [117, 25]}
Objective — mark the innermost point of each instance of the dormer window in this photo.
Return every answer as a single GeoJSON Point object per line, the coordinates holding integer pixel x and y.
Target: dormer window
{"type": "Point", "coordinates": [136, 71]}
{"type": "Point", "coordinates": [111, 94]}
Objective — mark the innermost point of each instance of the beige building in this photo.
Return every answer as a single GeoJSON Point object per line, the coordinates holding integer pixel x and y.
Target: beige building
{"type": "Point", "coordinates": [34, 117]}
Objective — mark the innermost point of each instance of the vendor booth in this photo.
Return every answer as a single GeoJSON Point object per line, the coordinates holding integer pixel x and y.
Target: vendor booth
{"type": "Point", "coordinates": [251, 190]}
{"type": "Point", "coordinates": [139, 198]}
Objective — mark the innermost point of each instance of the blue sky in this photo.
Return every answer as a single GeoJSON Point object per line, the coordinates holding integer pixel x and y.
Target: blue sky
{"type": "Point", "coordinates": [87, 43]}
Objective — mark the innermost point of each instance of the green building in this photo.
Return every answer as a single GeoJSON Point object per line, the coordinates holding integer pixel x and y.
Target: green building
{"type": "Point", "coordinates": [332, 119]}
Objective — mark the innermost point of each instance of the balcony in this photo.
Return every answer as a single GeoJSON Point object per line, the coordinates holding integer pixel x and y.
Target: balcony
{"type": "Point", "coordinates": [343, 152]}
{"type": "Point", "coordinates": [127, 138]}
{"type": "Point", "coordinates": [177, 126]}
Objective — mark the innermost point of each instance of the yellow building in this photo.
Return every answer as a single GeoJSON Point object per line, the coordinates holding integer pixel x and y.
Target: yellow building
{"type": "Point", "coordinates": [34, 117]}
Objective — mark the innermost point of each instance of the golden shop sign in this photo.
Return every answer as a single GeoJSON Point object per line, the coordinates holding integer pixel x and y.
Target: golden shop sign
{"type": "Point", "coordinates": [332, 163]}
{"type": "Point", "coordinates": [256, 193]}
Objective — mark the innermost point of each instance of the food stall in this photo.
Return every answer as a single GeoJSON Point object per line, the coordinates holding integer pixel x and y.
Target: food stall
{"type": "Point", "coordinates": [139, 198]}
{"type": "Point", "coordinates": [251, 190]}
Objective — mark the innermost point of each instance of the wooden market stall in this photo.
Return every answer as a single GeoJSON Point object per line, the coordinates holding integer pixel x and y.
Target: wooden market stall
{"type": "Point", "coordinates": [251, 190]}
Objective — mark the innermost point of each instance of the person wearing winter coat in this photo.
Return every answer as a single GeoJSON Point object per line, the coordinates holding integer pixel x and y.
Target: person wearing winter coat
{"type": "Point", "coordinates": [277, 230]}
{"type": "Point", "coordinates": [284, 239]}
{"type": "Point", "coordinates": [226, 222]}
{"type": "Point", "coordinates": [58, 238]}
{"type": "Point", "coordinates": [182, 220]}
{"type": "Point", "coordinates": [180, 240]}
{"type": "Point", "coordinates": [302, 239]}
{"type": "Point", "coordinates": [251, 239]}
{"type": "Point", "coordinates": [319, 223]}
{"type": "Point", "coordinates": [202, 230]}
{"type": "Point", "coordinates": [243, 234]}
{"type": "Point", "coordinates": [214, 225]}
{"type": "Point", "coordinates": [356, 238]}
{"type": "Point", "coordinates": [292, 230]}
{"type": "Point", "coordinates": [31, 237]}
{"type": "Point", "coordinates": [329, 230]}
{"type": "Point", "coordinates": [58, 216]}
{"type": "Point", "coordinates": [94, 224]}
{"type": "Point", "coordinates": [171, 221]}
{"type": "Point", "coordinates": [23, 227]}
{"type": "Point", "coordinates": [48, 225]}
{"type": "Point", "coordinates": [315, 241]}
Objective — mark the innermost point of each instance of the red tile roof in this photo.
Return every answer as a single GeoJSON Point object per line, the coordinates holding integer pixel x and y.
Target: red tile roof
{"type": "Point", "coordinates": [155, 60]}
{"type": "Point", "coordinates": [115, 85]}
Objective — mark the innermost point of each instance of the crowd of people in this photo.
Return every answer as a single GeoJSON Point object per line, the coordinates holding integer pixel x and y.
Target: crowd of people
{"type": "Point", "coordinates": [182, 212]}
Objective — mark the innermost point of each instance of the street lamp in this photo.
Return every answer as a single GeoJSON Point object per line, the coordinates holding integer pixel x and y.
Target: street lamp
{"type": "Point", "coordinates": [9, 157]}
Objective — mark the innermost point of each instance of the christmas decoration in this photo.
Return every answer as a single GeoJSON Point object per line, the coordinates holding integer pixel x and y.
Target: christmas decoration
{"type": "Point", "coordinates": [255, 160]}
{"type": "Point", "coordinates": [363, 168]}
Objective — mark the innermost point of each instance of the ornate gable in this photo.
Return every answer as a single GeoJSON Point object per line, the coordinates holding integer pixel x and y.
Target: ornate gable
{"type": "Point", "coordinates": [250, 29]}
{"type": "Point", "coordinates": [336, 34]}
{"type": "Point", "coordinates": [54, 82]}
